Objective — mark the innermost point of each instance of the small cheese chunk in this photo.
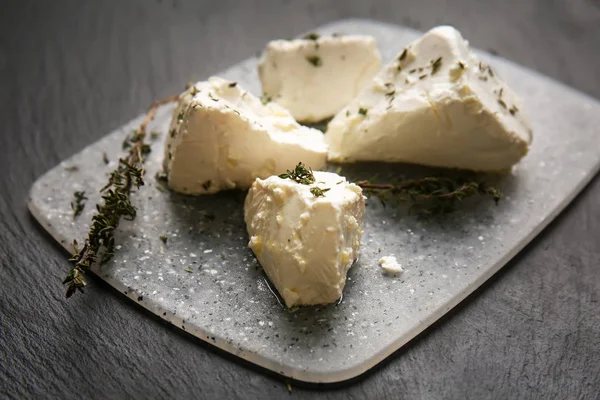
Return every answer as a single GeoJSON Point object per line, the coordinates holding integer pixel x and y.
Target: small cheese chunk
{"type": "Point", "coordinates": [305, 243]}
{"type": "Point", "coordinates": [435, 104]}
{"type": "Point", "coordinates": [223, 137]}
{"type": "Point", "coordinates": [315, 78]}
{"type": "Point", "coordinates": [391, 265]}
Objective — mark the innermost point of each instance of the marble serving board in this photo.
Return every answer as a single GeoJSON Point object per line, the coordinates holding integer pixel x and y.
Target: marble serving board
{"type": "Point", "coordinates": [206, 280]}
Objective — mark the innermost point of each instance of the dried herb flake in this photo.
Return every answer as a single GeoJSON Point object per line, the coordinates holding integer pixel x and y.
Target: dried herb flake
{"type": "Point", "coordinates": [318, 192]}
{"type": "Point", "coordinates": [79, 203]}
{"type": "Point", "coordinates": [314, 60]}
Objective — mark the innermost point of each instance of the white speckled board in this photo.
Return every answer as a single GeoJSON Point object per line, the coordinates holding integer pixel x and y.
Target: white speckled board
{"type": "Point", "coordinates": [206, 281]}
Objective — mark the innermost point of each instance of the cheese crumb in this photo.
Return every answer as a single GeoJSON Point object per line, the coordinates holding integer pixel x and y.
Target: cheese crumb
{"type": "Point", "coordinates": [390, 265]}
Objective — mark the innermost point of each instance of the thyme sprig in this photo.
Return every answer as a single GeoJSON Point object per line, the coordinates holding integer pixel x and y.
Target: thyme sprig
{"type": "Point", "coordinates": [116, 204]}
{"type": "Point", "coordinates": [431, 195]}
{"type": "Point", "coordinates": [301, 174]}
{"type": "Point", "coordinates": [304, 175]}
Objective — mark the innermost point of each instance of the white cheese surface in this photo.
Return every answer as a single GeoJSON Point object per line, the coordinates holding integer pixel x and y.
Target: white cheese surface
{"type": "Point", "coordinates": [314, 79]}
{"type": "Point", "coordinates": [436, 104]}
{"type": "Point", "coordinates": [390, 265]}
{"type": "Point", "coordinates": [305, 244]}
{"type": "Point", "coordinates": [223, 137]}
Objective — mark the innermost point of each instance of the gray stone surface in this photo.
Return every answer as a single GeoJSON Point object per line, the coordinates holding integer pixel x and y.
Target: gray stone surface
{"type": "Point", "coordinates": [206, 281]}
{"type": "Point", "coordinates": [70, 71]}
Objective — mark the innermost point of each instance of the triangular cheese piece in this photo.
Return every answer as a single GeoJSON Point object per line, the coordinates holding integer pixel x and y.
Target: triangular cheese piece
{"type": "Point", "coordinates": [316, 76]}
{"type": "Point", "coordinates": [306, 235]}
{"type": "Point", "coordinates": [223, 137]}
{"type": "Point", "coordinates": [435, 104]}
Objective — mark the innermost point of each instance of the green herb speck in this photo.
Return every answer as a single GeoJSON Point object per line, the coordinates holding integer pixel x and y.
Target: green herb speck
{"type": "Point", "coordinates": [436, 65]}
{"type": "Point", "coordinates": [311, 36]}
{"type": "Point", "coordinates": [79, 203]}
{"type": "Point", "coordinates": [318, 192]}
{"type": "Point", "coordinates": [403, 55]}
{"type": "Point", "coordinates": [315, 61]}
{"type": "Point", "coordinates": [265, 99]}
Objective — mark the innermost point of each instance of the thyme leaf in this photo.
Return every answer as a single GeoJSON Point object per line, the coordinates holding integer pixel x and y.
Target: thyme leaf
{"type": "Point", "coordinates": [315, 61]}
{"type": "Point", "coordinates": [436, 65]}
{"type": "Point", "coordinates": [265, 99]}
{"type": "Point", "coordinates": [403, 55]}
{"type": "Point", "coordinates": [311, 36]}
{"type": "Point", "coordinates": [79, 203]}
{"type": "Point", "coordinates": [318, 192]}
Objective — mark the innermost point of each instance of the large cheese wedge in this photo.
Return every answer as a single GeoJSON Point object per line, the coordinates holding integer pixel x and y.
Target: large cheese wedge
{"type": "Point", "coordinates": [223, 137]}
{"type": "Point", "coordinates": [435, 104]}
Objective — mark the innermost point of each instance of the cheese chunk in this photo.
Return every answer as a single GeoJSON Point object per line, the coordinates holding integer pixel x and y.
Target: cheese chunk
{"type": "Point", "coordinates": [306, 244]}
{"type": "Point", "coordinates": [435, 104]}
{"type": "Point", "coordinates": [223, 137]}
{"type": "Point", "coordinates": [315, 78]}
{"type": "Point", "coordinates": [390, 265]}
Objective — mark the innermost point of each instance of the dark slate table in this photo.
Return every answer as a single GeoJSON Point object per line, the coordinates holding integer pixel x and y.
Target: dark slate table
{"type": "Point", "coordinates": [71, 71]}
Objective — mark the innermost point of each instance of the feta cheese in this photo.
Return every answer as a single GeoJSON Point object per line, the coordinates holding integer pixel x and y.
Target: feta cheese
{"type": "Point", "coordinates": [391, 265]}
{"type": "Point", "coordinates": [435, 104]}
{"type": "Point", "coordinates": [223, 137]}
{"type": "Point", "coordinates": [306, 244]}
{"type": "Point", "coordinates": [315, 78]}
